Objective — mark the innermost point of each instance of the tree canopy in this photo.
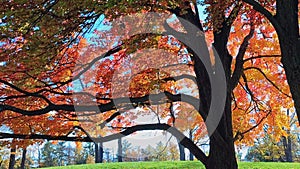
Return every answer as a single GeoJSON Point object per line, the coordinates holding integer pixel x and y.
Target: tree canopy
{"type": "Point", "coordinates": [94, 67]}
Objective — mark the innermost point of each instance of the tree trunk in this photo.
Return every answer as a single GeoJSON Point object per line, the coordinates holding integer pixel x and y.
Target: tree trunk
{"type": "Point", "coordinates": [99, 152]}
{"type": "Point", "coordinates": [107, 156]}
{"type": "Point", "coordinates": [12, 158]}
{"type": "Point", "coordinates": [289, 150]}
{"type": "Point", "coordinates": [181, 152]}
{"type": "Point", "coordinates": [287, 17]}
{"type": "Point", "coordinates": [120, 150]}
{"type": "Point", "coordinates": [96, 153]}
{"type": "Point", "coordinates": [191, 138]}
{"type": "Point", "coordinates": [222, 152]}
{"type": "Point", "coordinates": [23, 158]}
{"type": "Point", "coordinates": [291, 63]}
{"type": "Point", "coordinates": [220, 156]}
{"type": "Point", "coordinates": [287, 144]}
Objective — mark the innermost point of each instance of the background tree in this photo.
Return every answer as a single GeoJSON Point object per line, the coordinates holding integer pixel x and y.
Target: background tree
{"type": "Point", "coordinates": [173, 152]}
{"type": "Point", "coordinates": [266, 149]}
{"type": "Point", "coordinates": [148, 153]}
{"type": "Point", "coordinates": [4, 160]}
{"type": "Point", "coordinates": [49, 157]}
{"type": "Point", "coordinates": [126, 147]}
{"type": "Point", "coordinates": [161, 152]}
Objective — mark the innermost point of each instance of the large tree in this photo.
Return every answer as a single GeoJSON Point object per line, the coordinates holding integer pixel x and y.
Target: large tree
{"type": "Point", "coordinates": [45, 54]}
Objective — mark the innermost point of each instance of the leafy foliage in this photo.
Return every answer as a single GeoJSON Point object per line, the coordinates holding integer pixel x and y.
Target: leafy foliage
{"type": "Point", "coordinates": [54, 63]}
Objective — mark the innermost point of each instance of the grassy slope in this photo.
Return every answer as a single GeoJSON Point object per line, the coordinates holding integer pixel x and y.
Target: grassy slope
{"type": "Point", "coordinates": [178, 164]}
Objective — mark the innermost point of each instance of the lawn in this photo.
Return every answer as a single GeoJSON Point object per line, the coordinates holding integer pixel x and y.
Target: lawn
{"type": "Point", "coordinates": [178, 164]}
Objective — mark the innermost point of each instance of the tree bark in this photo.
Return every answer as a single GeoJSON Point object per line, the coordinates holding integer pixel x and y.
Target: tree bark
{"type": "Point", "coordinates": [181, 152]}
{"type": "Point", "coordinates": [287, 144]}
{"type": "Point", "coordinates": [96, 152]}
{"type": "Point", "coordinates": [287, 17]}
{"type": "Point", "coordinates": [120, 150]}
{"type": "Point", "coordinates": [23, 159]}
{"type": "Point", "coordinates": [289, 150]}
{"type": "Point", "coordinates": [12, 158]}
{"type": "Point", "coordinates": [191, 138]}
{"type": "Point", "coordinates": [222, 152]}
{"type": "Point", "coordinates": [291, 63]}
{"type": "Point", "coordinates": [99, 152]}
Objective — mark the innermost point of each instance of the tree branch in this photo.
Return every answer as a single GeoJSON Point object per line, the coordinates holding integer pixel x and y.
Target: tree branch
{"type": "Point", "coordinates": [239, 60]}
{"type": "Point", "coordinates": [184, 140]}
{"type": "Point", "coordinates": [259, 8]}
{"type": "Point", "coordinates": [110, 119]}
{"type": "Point", "coordinates": [240, 135]}
{"type": "Point", "coordinates": [262, 56]}
{"type": "Point", "coordinates": [24, 92]}
{"type": "Point", "coordinates": [122, 103]}
{"type": "Point", "coordinates": [270, 81]}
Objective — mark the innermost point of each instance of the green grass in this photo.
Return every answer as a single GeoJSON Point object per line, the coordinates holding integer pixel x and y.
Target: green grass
{"type": "Point", "coordinates": [268, 165]}
{"type": "Point", "coordinates": [179, 164]}
{"type": "Point", "coordinates": [138, 165]}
